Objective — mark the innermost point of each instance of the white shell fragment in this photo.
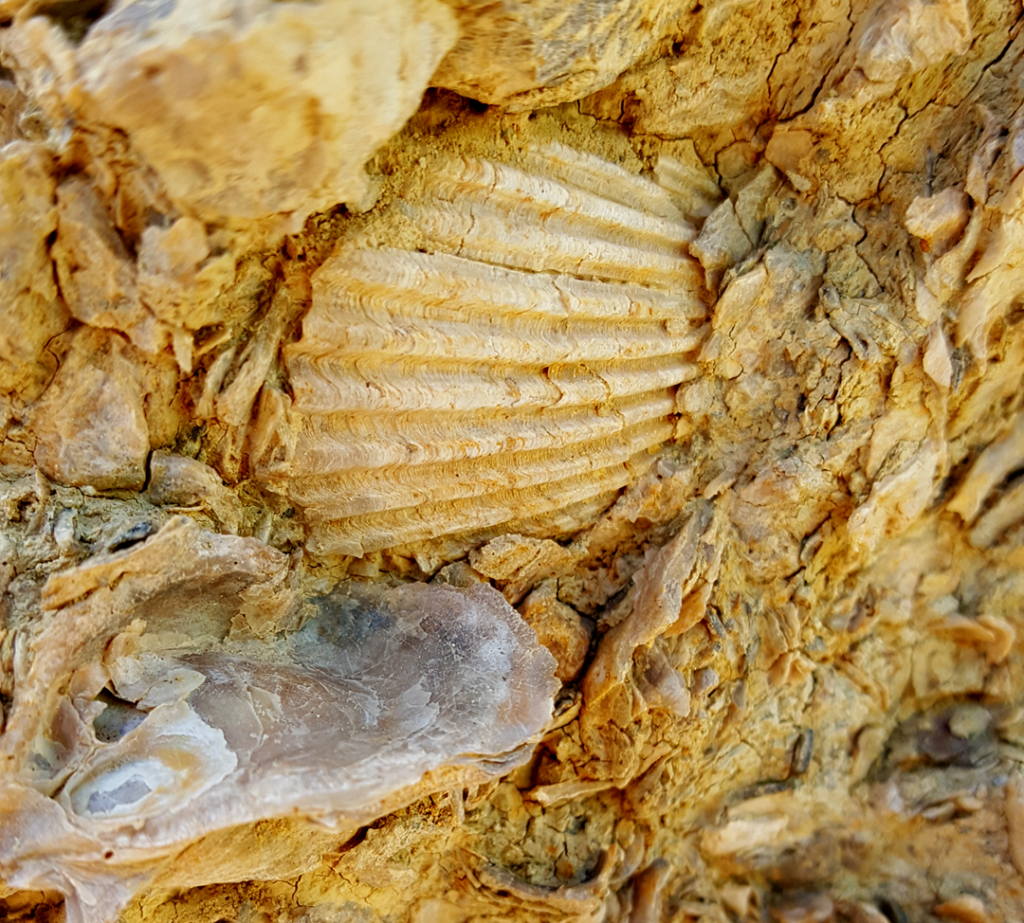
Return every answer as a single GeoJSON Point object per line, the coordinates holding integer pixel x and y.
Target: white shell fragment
{"type": "Point", "coordinates": [170, 757]}
{"type": "Point", "coordinates": [139, 738]}
{"type": "Point", "coordinates": [518, 367]}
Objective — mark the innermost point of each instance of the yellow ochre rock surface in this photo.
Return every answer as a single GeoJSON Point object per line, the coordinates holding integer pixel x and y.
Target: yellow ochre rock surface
{"type": "Point", "coordinates": [534, 461]}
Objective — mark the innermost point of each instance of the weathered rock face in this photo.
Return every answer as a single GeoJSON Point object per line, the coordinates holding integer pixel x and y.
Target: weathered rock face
{"type": "Point", "coordinates": [528, 54]}
{"type": "Point", "coordinates": [249, 110]}
{"type": "Point", "coordinates": [34, 312]}
{"type": "Point", "coordinates": [597, 513]}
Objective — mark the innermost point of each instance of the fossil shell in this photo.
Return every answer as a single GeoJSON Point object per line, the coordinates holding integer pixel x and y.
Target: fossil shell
{"type": "Point", "coordinates": [131, 738]}
{"type": "Point", "coordinates": [516, 368]}
{"type": "Point", "coordinates": [171, 756]}
{"type": "Point", "coordinates": [414, 678]}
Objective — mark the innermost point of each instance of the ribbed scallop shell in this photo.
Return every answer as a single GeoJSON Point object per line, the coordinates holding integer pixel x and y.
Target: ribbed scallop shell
{"type": "Point", "coordinates": [514, 369]}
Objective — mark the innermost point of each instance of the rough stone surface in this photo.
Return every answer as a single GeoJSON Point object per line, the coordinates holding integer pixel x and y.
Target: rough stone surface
{"type": "Point", "coordinates": [524, 55]}
{"type": "Point", "coordinates": [786, 624]}
{"type": "Point", "coordinates": [249, 110]}
{"type": "Point", "coordinates": [90, 425]}
{"type": "Point", "coordinates": [32, 311]}
{"type": "Point", "coordinates": [559, 628]}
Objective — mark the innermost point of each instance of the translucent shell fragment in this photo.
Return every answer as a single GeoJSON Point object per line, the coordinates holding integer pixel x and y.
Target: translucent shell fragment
{"type": "Point", "coordinates": [152, 720]}
{"type": "Point", "coordinates": [170, 757]}
{"type": "Point", "coordinates": [523, 364]}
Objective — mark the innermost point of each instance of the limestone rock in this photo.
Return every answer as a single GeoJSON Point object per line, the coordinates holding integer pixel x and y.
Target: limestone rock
{"type": "Point", "coordinates": [560, 629]}
{"type": "Point", "coordinates": [32, 309]}
{"type": "Point", "coordinates": [523, 55]}
{"type": "Point", "coordinates": [96, 272]}
{"type": "Point", "coordinates": [247, 111]}
{"type": "Point", "coordinates": [90, 425]}
{"type": "Point", "coordinates": [714, 374]}
{"type": "Point", "coordinates": [939, 219]}
{"type": "Point", "coordinates": [896, 38]}
{"type": "Point", "coordinates": [185, 482]}
{"type": "Point", "coordinates": [713, 79]}
{"type": "Point", "coordinates": [721, 242]}
{"type": "Point", "coordinates": [178, 277]}
{"type": "Point", "coordinates": [12, 108]}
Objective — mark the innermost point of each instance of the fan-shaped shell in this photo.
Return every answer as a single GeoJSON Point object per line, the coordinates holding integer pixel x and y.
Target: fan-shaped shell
{"type": "Point", "coordinates": [519, 366]}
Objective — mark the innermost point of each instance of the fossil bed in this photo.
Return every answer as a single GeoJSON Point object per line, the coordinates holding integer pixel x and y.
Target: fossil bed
{"type": "Point", "coordinates": [540, 461]}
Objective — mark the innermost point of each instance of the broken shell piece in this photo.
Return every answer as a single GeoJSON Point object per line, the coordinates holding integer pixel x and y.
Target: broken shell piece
{"type": "Point", "coordinates": [648, 892]}
{"type": "Point", "coordinates": [560, 629]}
{"type": "Point", "coordinates": [667, 578]}
{"type": "Point", "coordinates": [1004, 635]}
{"type": "Point", "coordinates": [690, 182]}
{"type": "Point", "coordinates": [382, 696]}
{"type": "Point", "coordinates": [660, 683]}
{"type": "Point", "coordinates": [169, 261]}
{"type": "Point", "coordinates": [937, 362]}
{"type": "Point", "coordinates": [525, 56]}
{"type": "Point", "coordinates": [145, 679]}
{"type": "Point", "coordinates": [897, 499]}
{"type": "Point", "coordinates": [175, 480]}
{"type": "Point", "coordinates": [993, 283]}
{"type": "Point", "coordinates": [743, 834]}
{"type": "Point", "coordinates": [524, 365]}
{"type": "Point", "coordinates": [170, 758]}
{"type": "Point", "coordinates": [1006, 512]}
{"type": "Point", "coordinates": [739, 898]}
{"type": "Point", "coordinates": [969, 720]}
{"type": "Point", "coordinates": [1001, 457]}
{"type": "Point", "coordinates": [722, 242]}
{"type": "Point", "coordinates": [964, 909]}
{"type": "Point", "coordinates": [90, 424]}
{"type": "Point", "coordinates": [939, 219]}
{"type": "Point", "coordinates": [895, 39]}
{"type": "Point", "coordinates": [906, 36]}
{"type": "Point", "coordinates": [178, 481]}
{"type": "Point", "coordinates": [1013, 809]}
{"type": "Point", "coordinates": [807, 908]}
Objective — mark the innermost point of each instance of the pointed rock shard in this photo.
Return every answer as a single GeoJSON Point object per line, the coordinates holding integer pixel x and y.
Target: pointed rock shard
{"type": "Point", "coordinates": [669, 575]}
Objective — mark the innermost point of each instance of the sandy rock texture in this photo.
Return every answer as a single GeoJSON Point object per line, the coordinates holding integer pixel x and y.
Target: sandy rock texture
{"type": "Point", "coordinates": [523, 55]}
{"type": "Point", "coordinates": [511, 461]}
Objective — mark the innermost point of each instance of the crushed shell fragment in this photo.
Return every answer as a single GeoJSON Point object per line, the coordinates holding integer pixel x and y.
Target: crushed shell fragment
{"type": "Point", "coordinates": [523, 364]}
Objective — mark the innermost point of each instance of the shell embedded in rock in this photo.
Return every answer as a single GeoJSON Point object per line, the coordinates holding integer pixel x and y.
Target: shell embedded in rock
{"type": "Point", "coordinates": [185, 687]}
{"type": "Point", "coordinates": [516, 368]}
{"type": "Point", "coordinates": [170, 757]}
